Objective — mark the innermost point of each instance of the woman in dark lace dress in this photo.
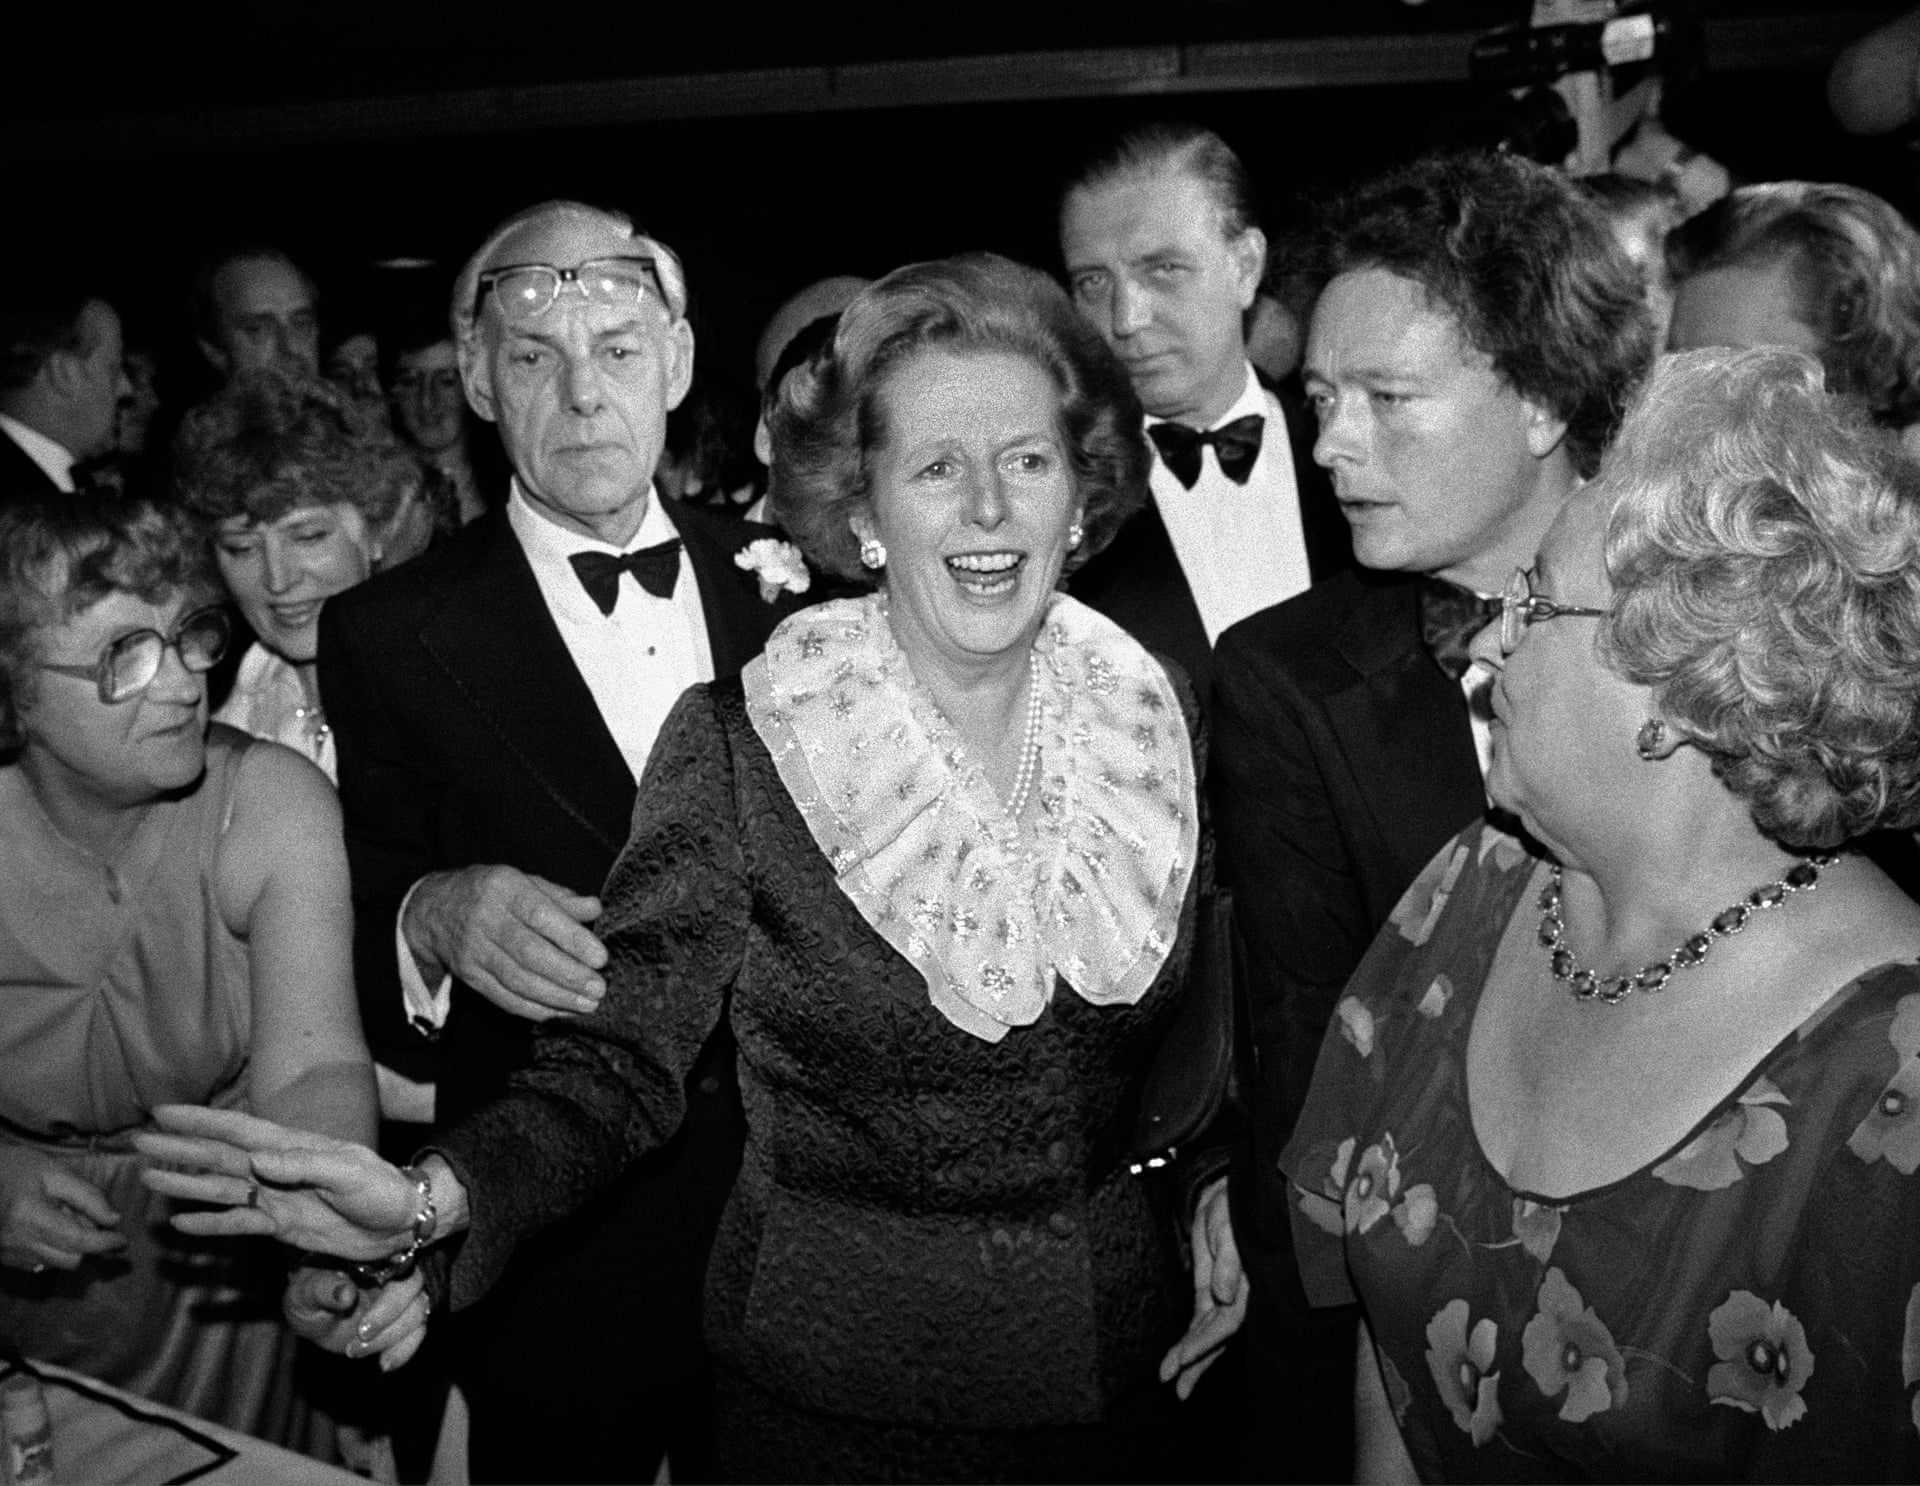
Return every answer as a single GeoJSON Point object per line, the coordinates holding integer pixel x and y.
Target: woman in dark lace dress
{"type": "Point", "coordinates": [937, 856]}
{"type": "Point", "coordinates": [1615, 1134]}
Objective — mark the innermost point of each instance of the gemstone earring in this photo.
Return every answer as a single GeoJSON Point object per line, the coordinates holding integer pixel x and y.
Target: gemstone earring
{"type": "Point", "coordinates": [1076, 534]}
{"type": "Point", "coordinates": [1647, 741]}
{"type": "Point", "coordinates": [872, 554]}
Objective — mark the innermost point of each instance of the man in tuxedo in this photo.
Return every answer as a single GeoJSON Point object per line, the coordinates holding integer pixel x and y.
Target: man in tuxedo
{"type": "Point", "coordinates": [62, 381]}
{"type": "Point", "coordinates": [1164, 258]}
{"type": "Point", "coordinates": [494, 703]}
{"type": "Point", "coordinates": [253, 307]}
{"type": "Point", "coordinates": [1469, 358]}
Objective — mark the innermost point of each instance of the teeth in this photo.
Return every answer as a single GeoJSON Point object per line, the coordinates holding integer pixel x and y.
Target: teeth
{"type": "Point", "coordinates": [986, 562]}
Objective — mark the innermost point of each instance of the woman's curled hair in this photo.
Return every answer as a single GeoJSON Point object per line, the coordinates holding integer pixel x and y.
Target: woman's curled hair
{"type": "Point", "coordinates": [830, 420]}
{"type": "Point", "coordinates": [1764, 547]}
{"type": "Point", "coordinates": [269, 443]}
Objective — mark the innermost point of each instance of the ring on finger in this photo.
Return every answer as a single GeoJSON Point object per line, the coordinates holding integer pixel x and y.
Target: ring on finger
{"type": "Point", "coordinates": [253, 1194]}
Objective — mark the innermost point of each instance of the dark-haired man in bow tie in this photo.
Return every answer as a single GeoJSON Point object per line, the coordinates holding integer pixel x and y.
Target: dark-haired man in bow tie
{"type": "Point", "coordinates": [1163, 257]}
{"type": "Point", "coordinates": [1469, 358]}
{"type": "Point", "coordinates": [494, 703]}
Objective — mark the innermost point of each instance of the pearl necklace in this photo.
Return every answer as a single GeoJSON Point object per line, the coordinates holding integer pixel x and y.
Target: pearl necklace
{"type": "Point", "coordinates": [1588, 985]}
{"type": "Point", "coordinates": [1030, 747]}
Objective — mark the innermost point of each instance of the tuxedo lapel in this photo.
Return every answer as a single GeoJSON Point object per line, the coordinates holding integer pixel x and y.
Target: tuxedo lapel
{"type": "Point", "coordinates": [738, 618]}
{"type": "Point", "coordinates": [19, 475]}
{"type": "Point", "coordinates": [1137, 582]}
{"type": "Point", "coordinates": [1402, 726]}
{"type": "Point", "coordinates": [497, 644]}
{"type": "Point", "coordinates": [1328, 539]}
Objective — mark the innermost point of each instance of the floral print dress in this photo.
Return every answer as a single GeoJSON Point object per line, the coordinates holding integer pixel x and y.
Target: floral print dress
{"type": "Point", "coordinates": [1745, 1308]}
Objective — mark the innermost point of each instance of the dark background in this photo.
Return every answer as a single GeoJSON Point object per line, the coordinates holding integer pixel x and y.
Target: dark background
{"type": "Point", "coordinates": [773, 145]}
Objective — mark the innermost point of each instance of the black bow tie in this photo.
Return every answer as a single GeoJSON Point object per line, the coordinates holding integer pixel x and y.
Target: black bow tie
{"type": "Point", "coordinates": [1235, 444]}
{"type": "Point", "coordinates": [656, 569]}
{"type": "Point", "coordinates": [1450, 616]}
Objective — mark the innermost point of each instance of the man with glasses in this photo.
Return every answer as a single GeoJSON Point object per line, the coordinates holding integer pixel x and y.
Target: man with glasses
{"type": "Point", "coordinates": [1469, 358]}
{"type": "Point", "coordinates": [494, 704]}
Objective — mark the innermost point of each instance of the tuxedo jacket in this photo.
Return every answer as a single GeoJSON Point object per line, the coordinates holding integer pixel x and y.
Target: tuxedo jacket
{"type": "Point", "coordinates": [1343, 759]}
{"type": "Point", "coordinates": [467, 736]}
{"type": "Point", "coordinates": [1137, 582]}
{"type": "Point", "coordinates": [20, 477]}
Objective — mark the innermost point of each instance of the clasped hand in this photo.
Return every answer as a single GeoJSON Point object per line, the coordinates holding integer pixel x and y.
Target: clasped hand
{"type": "Point", "coordinates": [1220, 1292]}
{"type": "Point", "coordinates": [50, 1215]}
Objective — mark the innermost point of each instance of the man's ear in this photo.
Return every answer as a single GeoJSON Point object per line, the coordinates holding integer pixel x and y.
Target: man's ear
{"type": "Point", "coordinates": [679, 362]}
{"type": "Point", "coordinates": [216, 357]}
{"type": "Point", "coordinates": [63, 372]}
{"type": "Point", "coordinates": [1546, 429]}
{"type": "Point", "coordinates": [1248, 254]}
{"type": "Point", "coordinates": [476, 376]}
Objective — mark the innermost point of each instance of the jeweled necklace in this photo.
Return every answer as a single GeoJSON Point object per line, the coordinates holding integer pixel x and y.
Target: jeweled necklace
{"type": "Point", "coordinates": [1030, 747]}
{"type": "Point", "coordinates": [1588, 985]}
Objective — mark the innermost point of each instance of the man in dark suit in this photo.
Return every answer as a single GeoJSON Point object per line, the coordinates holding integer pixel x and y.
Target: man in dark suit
{"type": "Point", "coordinates": [494, 704]}
{"type": "Point", "coordinates": [1164, 258]}
{"type": "Point", "coordinates": [61, 380]}
{"type": "Point", "coordinates": [1469, 358]}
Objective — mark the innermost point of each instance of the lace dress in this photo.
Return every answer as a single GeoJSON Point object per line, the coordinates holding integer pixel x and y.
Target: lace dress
{"type": "Point", "coordinates": [1747, 1307]}
{"type": "Point", "coordinates": [935, 1264]}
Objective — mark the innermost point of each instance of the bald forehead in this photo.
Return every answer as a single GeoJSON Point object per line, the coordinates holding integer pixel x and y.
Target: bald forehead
{"type": "Point", "coordinates": [564, 239]}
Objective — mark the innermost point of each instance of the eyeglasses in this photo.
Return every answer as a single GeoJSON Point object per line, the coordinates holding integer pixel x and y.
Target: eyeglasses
{"type": "Point", "coordinates": [526, 291]}
{"type": "Point", "coordinates": [128, 665]}
{"type": "Point", "coordinates": [1520, 606]}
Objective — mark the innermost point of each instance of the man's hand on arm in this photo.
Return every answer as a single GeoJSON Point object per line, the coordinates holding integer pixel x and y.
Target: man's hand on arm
{"type": "Point", "coordinates": [519, 940]}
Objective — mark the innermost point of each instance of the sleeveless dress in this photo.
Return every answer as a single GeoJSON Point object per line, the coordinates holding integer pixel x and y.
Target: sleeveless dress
{"type": "Point", "coordinates": [119, 990]}
{"type": "Point", "coordinates": [1746, 1307]}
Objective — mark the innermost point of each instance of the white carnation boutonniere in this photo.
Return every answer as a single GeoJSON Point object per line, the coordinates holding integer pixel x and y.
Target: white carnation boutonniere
{"type": "Point", "coordinates": [778, 565]}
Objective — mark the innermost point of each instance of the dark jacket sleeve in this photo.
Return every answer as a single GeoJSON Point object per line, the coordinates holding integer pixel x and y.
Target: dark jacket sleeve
{"type": "Point", "coordinates": [1298, 898]}
{"type": "Point", "coordinates": [608, 1087]}
{"type": "Point", "coordinates": [390, 797]}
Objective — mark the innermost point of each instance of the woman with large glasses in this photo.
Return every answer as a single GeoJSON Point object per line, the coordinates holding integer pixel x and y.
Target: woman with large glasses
{"type": "Point", "coordinates": [174, 924]}
{"type": "Point", "coordinates": [1616, 1133]}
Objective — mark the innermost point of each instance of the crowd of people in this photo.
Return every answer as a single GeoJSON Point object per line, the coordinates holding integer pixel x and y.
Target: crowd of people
{"type": "Point", "coordinates": [671, 930]}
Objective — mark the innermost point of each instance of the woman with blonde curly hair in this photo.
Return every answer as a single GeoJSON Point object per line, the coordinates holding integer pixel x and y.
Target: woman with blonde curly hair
{"type": "Point", "coordinates": [1615, 1136]}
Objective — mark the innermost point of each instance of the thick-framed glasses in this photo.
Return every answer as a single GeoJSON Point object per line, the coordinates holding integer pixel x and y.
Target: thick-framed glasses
{"type": "Point", "coordinates": [128, 665]}
{"type": "Point", "coordinates": [526, 291]}
{"type": "Point", "coordinates": [1520, 606]}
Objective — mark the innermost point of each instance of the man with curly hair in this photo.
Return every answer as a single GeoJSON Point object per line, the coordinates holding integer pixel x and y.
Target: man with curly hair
{"type": "Point", "coordinates": [1470, 356]}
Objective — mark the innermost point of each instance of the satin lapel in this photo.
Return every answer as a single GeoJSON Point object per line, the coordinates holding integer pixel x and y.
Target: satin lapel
{"type": "Point", "coordinates": [738, 619]}
{"type": "Point", "coordinates": [1403, 729]}
{"type": "Point", "coordinates": [1328, 538]}
{"type": "Point", "coordinates": [499, 647]}
{"type": "Point", "coordinates": [1137, 582]}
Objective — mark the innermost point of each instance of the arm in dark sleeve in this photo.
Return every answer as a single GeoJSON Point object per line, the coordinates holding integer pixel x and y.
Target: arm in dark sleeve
{"type": "Point", "coordinates": [608, 1087]}
{"type": "Point", "coordinates": [389, 800]}
{"type": "Point", "coordinates": [1297, 898]}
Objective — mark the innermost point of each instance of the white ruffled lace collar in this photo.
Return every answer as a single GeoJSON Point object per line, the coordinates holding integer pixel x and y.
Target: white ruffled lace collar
{"type": "Point", "coordinates": [923, 846]}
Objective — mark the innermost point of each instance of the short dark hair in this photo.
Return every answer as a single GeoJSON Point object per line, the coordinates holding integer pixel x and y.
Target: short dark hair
{"type": "Point", "coordinates": [1527, 268]}
{"type": "Point", "coordinates": [1853, 264]}
{"type": "Point", "coordinates": [61, 555]}
{"type": "Point", "coordinates": [269, 442]}
{"type": "Point", "coordinates": [1181, 148]}
{"type": "Point", "coordinates": [831, 415]}
{"type": "Point", "coordinates": [41, 312]}
{"type": "Point", "coordinates": [200, 299]}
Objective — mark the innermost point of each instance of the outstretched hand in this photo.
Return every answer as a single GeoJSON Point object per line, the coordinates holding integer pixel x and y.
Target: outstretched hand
{"type": "Point", "coordinates": [314, 1192]}
{"type": "Point", "coordinates": [1220, 1291]}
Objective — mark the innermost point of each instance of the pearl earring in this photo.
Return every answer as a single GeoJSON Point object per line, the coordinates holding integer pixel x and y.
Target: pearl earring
{"type": "Point", "coordinates": [872, 553]}
{"type": "Point", "coordinates": [1076, 534]}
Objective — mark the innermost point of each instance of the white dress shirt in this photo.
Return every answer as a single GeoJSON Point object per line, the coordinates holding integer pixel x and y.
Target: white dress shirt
{"type": "Point", "coordinates": [52, 457]}
{"type": "Point", "coordinates": [636, 661]}
{"type": "Point", "coordinates": [1241, 547]}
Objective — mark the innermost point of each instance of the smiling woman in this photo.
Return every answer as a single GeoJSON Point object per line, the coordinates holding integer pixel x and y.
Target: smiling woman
{"type": "Point", "coordinates": [938, 856]}
{"type": "Point", "coordinates": [303, 497]}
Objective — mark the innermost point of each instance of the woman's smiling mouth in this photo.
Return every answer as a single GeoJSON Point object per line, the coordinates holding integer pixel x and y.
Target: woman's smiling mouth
{"type": "Point", "coordinates": [987, 574]}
